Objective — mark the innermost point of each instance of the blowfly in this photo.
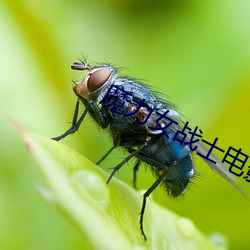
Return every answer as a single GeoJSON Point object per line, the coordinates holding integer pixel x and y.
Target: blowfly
{"type": "Point", "coordinates": [142, 123]}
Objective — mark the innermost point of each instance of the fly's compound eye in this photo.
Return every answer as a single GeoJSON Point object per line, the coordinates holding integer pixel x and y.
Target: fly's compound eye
{"type": "Point", "coordinates": [97, 79]}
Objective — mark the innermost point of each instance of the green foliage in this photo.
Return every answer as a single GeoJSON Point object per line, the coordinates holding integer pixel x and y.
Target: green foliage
{"type": "Point", "coordinates": [106, 216]}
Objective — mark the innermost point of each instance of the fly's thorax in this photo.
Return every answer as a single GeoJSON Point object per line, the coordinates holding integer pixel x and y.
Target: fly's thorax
{"type": "Point", "coordinates": [97, 79]}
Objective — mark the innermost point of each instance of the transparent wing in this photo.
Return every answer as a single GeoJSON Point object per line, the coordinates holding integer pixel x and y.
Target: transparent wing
{"type": "Point", "coordinates": [219, 167]}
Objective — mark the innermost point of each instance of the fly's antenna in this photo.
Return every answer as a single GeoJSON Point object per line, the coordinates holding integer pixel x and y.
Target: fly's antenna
{"type": "Point", "coordinates": [80, 66]}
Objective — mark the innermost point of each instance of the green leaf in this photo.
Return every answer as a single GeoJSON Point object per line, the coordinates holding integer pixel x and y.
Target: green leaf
{"type": "Point", "coordinates": [107, 215]}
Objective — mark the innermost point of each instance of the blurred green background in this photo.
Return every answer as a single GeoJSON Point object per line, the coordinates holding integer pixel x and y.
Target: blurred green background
{"type": "Point", "coordinates": [195, 52]}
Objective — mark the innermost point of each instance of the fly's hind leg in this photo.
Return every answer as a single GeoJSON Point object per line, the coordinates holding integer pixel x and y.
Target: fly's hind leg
{"type": "Point", "coordinates": [135, 169]}
{"type": "Point", "coordinates": [145, 196]}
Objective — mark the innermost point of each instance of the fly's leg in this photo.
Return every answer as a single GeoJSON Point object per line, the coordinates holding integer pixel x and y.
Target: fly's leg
{"type": "Point", "coordinates": [93, 109]}
{"type": "Point", "coordinates": [97, 114]}
{"type": "Point", "coordinates": [75, 124]}
{"type": "Point", "coordinates": [145, 196]}
{"type": "Point", "coordinates": [136, 167]}
{"type": "Point", "coordinates": [105, 155]}
{"type": "Point", "coordinates": [124, 161]}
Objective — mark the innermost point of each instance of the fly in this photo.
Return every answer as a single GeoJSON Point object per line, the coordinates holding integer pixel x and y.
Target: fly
{"type": "Point", "coordinates": [134, 124]}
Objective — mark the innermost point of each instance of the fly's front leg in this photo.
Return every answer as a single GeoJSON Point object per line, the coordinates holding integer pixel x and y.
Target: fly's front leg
{"type": "Point", "coordinates": [75, 123]}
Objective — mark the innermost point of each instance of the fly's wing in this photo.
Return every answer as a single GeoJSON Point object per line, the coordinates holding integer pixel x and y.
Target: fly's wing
{"type": "Point", "coordinates": [219, 167]}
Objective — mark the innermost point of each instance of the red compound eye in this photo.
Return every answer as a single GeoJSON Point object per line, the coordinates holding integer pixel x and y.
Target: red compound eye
{"type": "Point", "coordinates": [97, 79]}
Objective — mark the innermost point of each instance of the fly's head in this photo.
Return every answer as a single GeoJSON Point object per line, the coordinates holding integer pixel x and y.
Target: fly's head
{"type": "Point", "coordinates": [96, 79]}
